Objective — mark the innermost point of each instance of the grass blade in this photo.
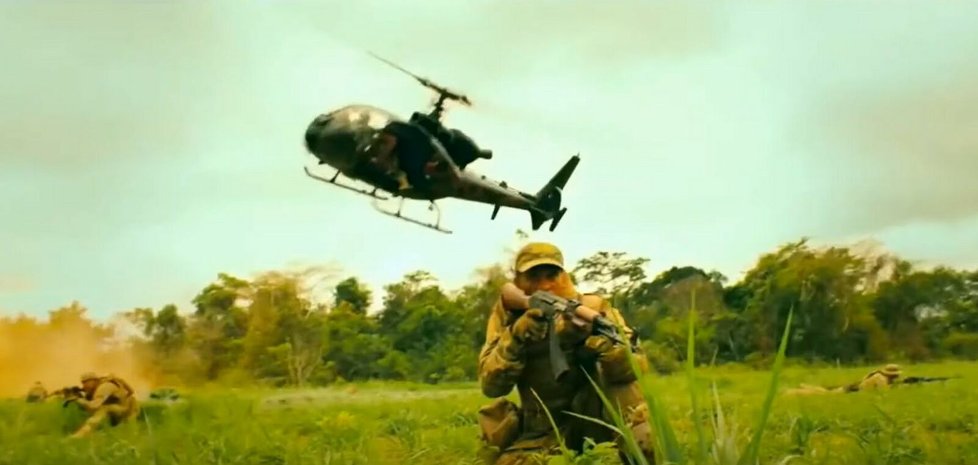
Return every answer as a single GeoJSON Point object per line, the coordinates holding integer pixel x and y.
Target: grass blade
{"type": "Point", "coordinates": [634, 451]}
{"type": "Point", "coordinates": [724, 450]}
{"type": "Point", "coordinates": [597, 421]}
{"type": "Point", "coordinates": [753, 449]}
{"type": "Point", "coordinates": [665, 436]}
{"type": "Point", "coordinates": [560, 439]}
{"type": "Point", "coordinates": [691, 377]}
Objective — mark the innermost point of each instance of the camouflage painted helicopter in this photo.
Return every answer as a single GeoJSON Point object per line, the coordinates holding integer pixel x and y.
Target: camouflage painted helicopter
{"type": "Point", "coordinates": [421, 159]}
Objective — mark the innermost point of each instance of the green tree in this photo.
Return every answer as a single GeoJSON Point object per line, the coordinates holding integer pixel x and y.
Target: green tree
{"type": "Point", "coordinates": [353, 345]}
{"type": "Point", "coordinates": [394, 310]}
{"type": "Point", "coordinates": [219, 324]}
{"type": "Point", "coordinates": [901, 303]}
{"type": "Point", "coordinates": [661, 310]}
{"type": "Point", "coordinates": [833, 318]}
{"type": "Point", "coordinates": [354, 293]}
{"type": "Point", "coordinates": [164, 341]}
{"type": "Point", "coordinates": [475, 301]}
{"type": "Point", "coordinates": [611, 272]}
{"type": "Point", "coordinates": [615, 275]}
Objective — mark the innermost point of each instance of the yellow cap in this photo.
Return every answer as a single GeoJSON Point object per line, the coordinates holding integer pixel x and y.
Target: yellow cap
{"type": "Point", "coordinates": [891, 370]}
{"type": "Point", "coordinates": [538, 253]}
{"type": "Point", "coordinates": [88, 375]}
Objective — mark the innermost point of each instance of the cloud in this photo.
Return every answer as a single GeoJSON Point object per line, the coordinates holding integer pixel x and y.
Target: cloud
{"type": "Point", "coordinates": [11, 283]}
{"type": "Point", "coordinates": [150, 146]}
{"type": "Point", "coordinates": [927, 244]}
{"type": "Point", "coordinates": [95, 86]}
{"type": "Point", "coordinates": [493, 34]}
{"type": "Point", "coordinates": [907, 155]}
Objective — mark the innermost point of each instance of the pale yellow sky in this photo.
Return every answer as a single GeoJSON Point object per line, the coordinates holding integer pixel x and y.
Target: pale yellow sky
{"type": "Point", "coordinates": [148, 146]}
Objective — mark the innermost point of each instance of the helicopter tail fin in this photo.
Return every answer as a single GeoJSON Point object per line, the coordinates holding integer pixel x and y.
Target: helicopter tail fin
{"type": "Point", "coordinates": [549, 198]}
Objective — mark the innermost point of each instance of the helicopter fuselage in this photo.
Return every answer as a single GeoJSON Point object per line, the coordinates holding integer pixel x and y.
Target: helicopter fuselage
{"type": "Point", "coordinates": [371, 145]}
{"type": "Point", "coordinates": [352, 140]}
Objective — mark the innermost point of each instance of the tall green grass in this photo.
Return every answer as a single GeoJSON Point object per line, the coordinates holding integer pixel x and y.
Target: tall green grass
{"type": "Point", "coordinates": [398, 423]}
{"type": "Point", "coordinates": [395, 423]}
{"type": "Point", "coordinates": [669, 450]}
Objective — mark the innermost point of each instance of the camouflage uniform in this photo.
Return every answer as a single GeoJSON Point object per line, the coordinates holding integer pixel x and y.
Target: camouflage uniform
{"type": "Point", "coordinates": [505, 361]}
{"type": "Point", "coordinates": [879, 379]}
{"type": "Point", "coordinates": [37, 393]}
{"type": "Point", "coordinates": [106, 397]}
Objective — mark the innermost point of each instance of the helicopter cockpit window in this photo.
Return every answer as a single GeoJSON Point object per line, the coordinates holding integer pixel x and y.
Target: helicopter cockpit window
{"type": "Point", "coordinates": [363, 115]}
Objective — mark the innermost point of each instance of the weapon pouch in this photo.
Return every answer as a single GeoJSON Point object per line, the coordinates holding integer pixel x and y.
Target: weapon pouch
{"type": "Point", "coordinates": [500, 423]}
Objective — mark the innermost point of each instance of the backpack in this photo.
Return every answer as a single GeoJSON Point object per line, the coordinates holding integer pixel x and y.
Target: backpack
{"type": "Point", "coordinates": [122, 384]}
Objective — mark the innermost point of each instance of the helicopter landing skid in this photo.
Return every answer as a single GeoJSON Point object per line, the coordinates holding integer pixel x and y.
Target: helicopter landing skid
{"type": "Point", "coordinates": [432, 206]}
{"type": "Point", "coordinates": [332, 181]}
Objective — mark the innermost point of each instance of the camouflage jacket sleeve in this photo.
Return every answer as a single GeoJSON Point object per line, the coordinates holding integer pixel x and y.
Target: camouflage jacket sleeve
{"type": "Point", "coordinates": [501, 359]}
{"type": "Point", "coordinates": [102, 394]}
{"type": "Point", "coordinates": [615, 366]}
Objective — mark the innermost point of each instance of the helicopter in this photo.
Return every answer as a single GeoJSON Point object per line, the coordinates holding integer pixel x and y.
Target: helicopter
{"type": "Point", "coordinates": [420, 159]}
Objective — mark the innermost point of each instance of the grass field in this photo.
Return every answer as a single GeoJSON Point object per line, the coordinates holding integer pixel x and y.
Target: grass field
{"type": "Point", "coordinates": [374, 423]}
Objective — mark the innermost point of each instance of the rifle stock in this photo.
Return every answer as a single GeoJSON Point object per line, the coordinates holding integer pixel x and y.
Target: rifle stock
{"type": "Point", "coordinates": [554, 307]}
{"type": "Point", "coordinates": [514, 298]}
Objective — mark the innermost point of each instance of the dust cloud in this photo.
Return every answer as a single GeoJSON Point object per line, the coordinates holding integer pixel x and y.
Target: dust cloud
{"type": "Point", "coordinates": [56, 352]}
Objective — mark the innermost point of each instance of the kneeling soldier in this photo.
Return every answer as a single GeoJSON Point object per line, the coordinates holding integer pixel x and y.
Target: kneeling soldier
{"type": "Point", "coordinates": [105, 397]}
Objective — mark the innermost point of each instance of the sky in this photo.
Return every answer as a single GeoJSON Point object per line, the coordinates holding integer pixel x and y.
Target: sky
{"type": "Point", "coordinates": [148, 146]}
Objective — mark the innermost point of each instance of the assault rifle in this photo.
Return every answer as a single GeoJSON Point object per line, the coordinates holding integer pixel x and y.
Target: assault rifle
{"type": "Point", "coordinates": [925, 379]}
{"type": "Point", "coordinates": [554, 307]}
{"type": "Point", "coordinates": [68, 392]}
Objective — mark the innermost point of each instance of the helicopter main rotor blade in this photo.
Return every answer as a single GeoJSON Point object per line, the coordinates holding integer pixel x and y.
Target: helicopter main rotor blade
{"type": "Point", "coordinates": [398, 67]}
{"type": "Point", "coordinates": [425, 81]}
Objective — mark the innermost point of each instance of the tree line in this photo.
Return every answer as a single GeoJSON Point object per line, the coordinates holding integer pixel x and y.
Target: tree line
{"type": "Point", "coordinates": [851, 305]}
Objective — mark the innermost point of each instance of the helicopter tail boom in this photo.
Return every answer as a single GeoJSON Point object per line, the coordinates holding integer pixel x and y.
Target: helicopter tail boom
{"type": "Point", "coordinates": [547, 205]}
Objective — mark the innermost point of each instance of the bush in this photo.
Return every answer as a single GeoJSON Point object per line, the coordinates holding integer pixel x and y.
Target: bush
{"type": "Point", "coordinates": [759, 360]}
{"type": "Point", "coordinates": [661, 358]}
{"type": "Point", "coordinates": [963, 345]}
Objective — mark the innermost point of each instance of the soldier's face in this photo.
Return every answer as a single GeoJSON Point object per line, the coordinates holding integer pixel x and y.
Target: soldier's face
{"type": "Point", "coordinates": [543, 274]}
{"type": "Point", "coordinates": [547, 278]}
{"type": "Point", "coordinates": [88, 385]}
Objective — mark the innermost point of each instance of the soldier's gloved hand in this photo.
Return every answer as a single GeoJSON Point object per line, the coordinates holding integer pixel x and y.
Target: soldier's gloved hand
{"type": "Point", "coordinates": [530, 326]}
{"type": "Point", "coordinates": [572, 332]}
{"type": "Point", "coordinates": [599, 344]}
{"type": "Point", "coordinates": [613, 359]}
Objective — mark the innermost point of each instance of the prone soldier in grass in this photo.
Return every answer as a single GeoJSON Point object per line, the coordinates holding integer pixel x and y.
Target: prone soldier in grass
{"type": "Point", "coordinates": [37, 393]}
{"type": "Point", "coordinates": [882, 378]}
{"type": "Point", "coordinates": [517, 353]}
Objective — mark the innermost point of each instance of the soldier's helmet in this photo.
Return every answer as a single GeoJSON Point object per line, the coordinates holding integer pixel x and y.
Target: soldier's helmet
{"type": "Point", "coordinates": [536, 254]}
{"type": "Point", "coordinates": [891, 369]}
{"type": "Point", "coordinates": [88, 375]}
